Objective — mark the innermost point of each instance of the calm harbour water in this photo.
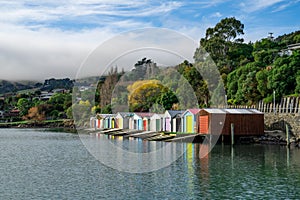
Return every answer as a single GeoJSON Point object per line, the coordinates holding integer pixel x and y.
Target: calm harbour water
{"type": "Point", "coordinates": [51, 165]}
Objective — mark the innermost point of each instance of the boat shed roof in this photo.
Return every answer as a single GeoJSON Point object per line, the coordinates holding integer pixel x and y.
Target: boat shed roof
{"type": "Point", "coordinates": [125, 114]}
{"type": "Point", "coordinates": [232, 111]}
{"type": "Point", "coordinates": [144, 114]}
{"type": "Point", "coordinates": [173, 113]}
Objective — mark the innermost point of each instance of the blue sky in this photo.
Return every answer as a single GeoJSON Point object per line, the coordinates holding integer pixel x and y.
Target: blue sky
{"type": "Point", "coordinates": [49, 38]}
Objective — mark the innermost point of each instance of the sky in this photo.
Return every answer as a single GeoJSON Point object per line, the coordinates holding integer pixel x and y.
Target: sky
{"type": "Point", "coordinates": [52, 39]}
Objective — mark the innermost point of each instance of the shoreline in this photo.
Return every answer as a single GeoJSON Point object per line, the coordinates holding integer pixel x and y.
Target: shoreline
{"type": "Point", "coordinates": [276, 137]}
{"type": "Point", "coordinates": [63, 123]}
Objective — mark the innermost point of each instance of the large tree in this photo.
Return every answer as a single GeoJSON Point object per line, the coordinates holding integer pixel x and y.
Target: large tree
{"type": "Point", "coordinates": [218, 42]}
{"type": "Point", "coordinates": [107, 87]}
{"type": "Point", "coordinates": [143, 95]}
{"type": "Point", "coordinates": [23, 105]}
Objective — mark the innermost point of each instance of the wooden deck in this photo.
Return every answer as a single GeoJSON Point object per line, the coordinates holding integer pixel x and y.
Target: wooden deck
{"type": "Point", "coordinates": [148, 135]}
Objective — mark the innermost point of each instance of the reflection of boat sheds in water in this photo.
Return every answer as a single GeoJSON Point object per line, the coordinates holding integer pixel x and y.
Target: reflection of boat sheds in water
{"type": "Point", "coordinates": [247, 122]}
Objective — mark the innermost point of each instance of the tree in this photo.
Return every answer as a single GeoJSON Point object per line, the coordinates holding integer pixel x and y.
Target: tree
{"type": "Point", "coordinates": [143, 94]}
{"type": "Point", "coordinates": [262, 82]}
{"type": "Point", "coordinates": [23, 105]}
{"type": "Point", "coordinates": [81, 112]}
{"type": "Point", "coordinates": [143, 69]}
{"type": "Point", "coordinates": [282, 77]}
{"type": "Point", "coordinates": [57, 100]}
{"type": "Point", "coordinates": [195, 79]}
{"type": "Point", "coordinates": [54, 114]}
{"type": "Point", "coordinates": [218, 42]}
{"type": "Point", "coordinates": [297, 89]}
{"type": "Point", "coordinates": [107, 87]}
{"type": "Point", "coordinates": [35, 114]}
{"type": "Point", "coordinates": [242, 84]}
{"type": "Point", "coordinates": [167, 99]}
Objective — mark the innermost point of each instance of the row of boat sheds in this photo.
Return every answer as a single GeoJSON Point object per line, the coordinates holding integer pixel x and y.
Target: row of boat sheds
{"type": "Point", "coordinates": [246, 122]}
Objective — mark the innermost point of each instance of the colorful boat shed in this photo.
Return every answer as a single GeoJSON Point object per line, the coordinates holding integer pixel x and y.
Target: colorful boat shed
{"type": "Point", "coordinates": [190, 120]}
{"type": "Point", "coordinates": [246, 122]}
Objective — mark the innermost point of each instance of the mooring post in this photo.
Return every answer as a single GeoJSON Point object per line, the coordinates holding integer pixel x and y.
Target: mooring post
{"type": "Point", "coordinates": [287, 135]}
{"type": "Point", "coordinates": [222, 139]}
{"type": "Point", "coordinates": [232, 134]}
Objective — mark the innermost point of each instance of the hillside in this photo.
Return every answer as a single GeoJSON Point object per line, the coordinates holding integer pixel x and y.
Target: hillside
{"type": "Point", "coordinates": [13, 86]}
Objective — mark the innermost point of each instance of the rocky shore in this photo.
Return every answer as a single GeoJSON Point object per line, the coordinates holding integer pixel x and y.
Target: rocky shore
{"type": "Point", "coordinates": [66, 123]}
{"type": "Point", "coordinates": [277, 137]}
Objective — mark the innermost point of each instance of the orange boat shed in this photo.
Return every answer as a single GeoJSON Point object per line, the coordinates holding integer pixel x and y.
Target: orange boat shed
{"type": "Point", "coordinates": [247, 122]}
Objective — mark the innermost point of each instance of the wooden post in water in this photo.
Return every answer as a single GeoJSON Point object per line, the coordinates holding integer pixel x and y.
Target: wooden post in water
{"type": "Point", "coordinates": [222, 138]}
{"type": "Point", "coordinates": [287, 135]}
{"type": "Point", "coordinates": [232, 133]}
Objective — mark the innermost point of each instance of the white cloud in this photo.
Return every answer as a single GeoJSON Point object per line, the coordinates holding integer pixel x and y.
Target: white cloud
{"type": "Point", "coordinates": [51, 38]}
{"type": "Point", "coordinates": [27, 54]}
{"type": "Point", "coordinates": [255, 5]}
{"type": "Point", "coordinates": [216, 14]}
{"type": "Point", "coordinates": [164, 46]}
{"type": "Point", "coordinates": [30, 11]}
{"type": "Point", "coordinates": [46, 53]}
{"type": "Point", "coordinates": [209, 3]}
{"type": "Point", "coordinates": [32, 48]}
{"type": "Point", "coordinates": [285, 5]}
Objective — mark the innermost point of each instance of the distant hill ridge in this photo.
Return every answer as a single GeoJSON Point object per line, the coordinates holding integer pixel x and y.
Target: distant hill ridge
{"type": "Point", "coordinates": [14, 86]}
{"type": "Point", "coordinates": [48, 85]}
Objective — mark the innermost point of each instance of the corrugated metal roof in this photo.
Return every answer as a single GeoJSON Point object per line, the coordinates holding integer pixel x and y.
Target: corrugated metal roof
{"type": "Point", "coordinates": [238, 111]}
{"type": "Point", "coordinates": [157, 116]}
{"type": "Point", "coordinates": [125, 114]}
{"type": "Point", "coordinates": [232, 111]}
{"type": "Point", "coordinates": [144, 114]}
{"type": "Point", "coordinates": [173, 113]}
{"type": "Point", "coordinates": [256, 111]}
{"type": "Point", "coordinates": [107, 115]}
{"type": "Point", "coordinates": [194, 110]}
{"type": "Point", "coordinates": [215, 110]}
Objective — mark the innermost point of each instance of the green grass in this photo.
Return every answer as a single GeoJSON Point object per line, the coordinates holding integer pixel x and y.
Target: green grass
{"type": "Point", "coordinates": [14, 123]}
{"type": "Point", "coordinates": [27, 91]}
{"type": "Point", "coordinates": [30, 122]}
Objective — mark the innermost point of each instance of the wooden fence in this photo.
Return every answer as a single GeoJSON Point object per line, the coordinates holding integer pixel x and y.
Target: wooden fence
{"type": "Point", "coordinates": [286, 105]}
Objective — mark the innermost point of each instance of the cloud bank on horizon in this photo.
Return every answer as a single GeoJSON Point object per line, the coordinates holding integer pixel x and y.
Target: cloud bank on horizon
{"type": "Point", "coordinates": [44, 39]}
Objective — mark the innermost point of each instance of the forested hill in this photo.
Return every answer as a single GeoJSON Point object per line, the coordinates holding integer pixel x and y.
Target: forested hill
{"type": "Point", "coordinates": [252, 71]}
{"type": "Point", "coordinates": [11, 87]}
{"type": "Point", "coordinates": [288, 39]}
{"type": "Point", "coordinates": [48, 85]}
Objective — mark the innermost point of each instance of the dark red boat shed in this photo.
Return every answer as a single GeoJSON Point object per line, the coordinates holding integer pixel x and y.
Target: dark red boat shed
{"type": "Point", "coordinates": [247, 122]}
